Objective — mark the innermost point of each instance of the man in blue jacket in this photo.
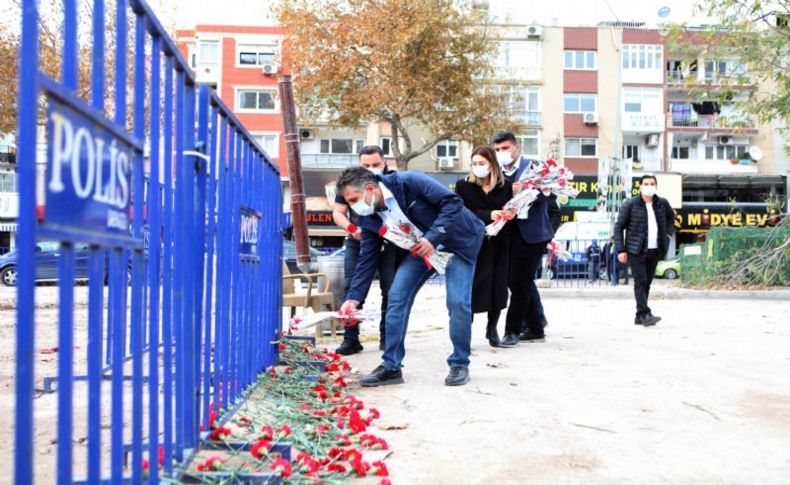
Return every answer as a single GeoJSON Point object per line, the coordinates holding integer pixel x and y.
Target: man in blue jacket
{"type": "Point", "coordinates": [525, 319]}
{"type": "Point", "coordinates": [445, 224]}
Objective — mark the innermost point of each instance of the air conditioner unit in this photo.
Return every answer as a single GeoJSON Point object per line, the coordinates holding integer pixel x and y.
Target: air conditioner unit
{"type": "Point", "coordinates": [446, 162]}
{"type": "Point", "coordinates": [269, 69]}
{"type": "Point", "coordinates": [534, 32]}
{"type": "Point", "coordinates": [590, 118]}
{"type": "Point", "coordinates": [652, 140]}
{"type": "Point", "coordinates": [306, 134]}
{"type": "Point", "coordinates": [725, 140]}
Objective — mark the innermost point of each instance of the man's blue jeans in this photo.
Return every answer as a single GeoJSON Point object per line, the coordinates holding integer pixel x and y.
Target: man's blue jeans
{"type": "Point", "coordinates": [409, 278]}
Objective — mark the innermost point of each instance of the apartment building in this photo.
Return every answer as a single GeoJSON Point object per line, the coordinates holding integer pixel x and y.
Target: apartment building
{"type": "Point", "coordinates": [565, 84]}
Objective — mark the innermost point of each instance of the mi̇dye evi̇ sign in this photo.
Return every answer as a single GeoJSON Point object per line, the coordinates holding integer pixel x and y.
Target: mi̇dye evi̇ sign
{"type": "Point", "coordinates": [89, 175]}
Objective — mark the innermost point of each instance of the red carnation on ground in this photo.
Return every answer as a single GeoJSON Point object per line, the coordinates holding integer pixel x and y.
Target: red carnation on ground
{"type": "Point", "coordinates": [244, 421]}
{"type": "Point", "coordinates": [551, 163]}
{"type": "Point", "coordinates": [380, 469]}
{"type": "Point", "coordinates": [335, 452]}
{"type": "Point", "coordinates": [385, 481]}
{"type": "Point", "coordinates": [260, 449]}
{"type": "Point", "coordinates": [322, 428]}
{"type": "Point", "coordinates": [340, 382]}
{"type": "Point", "coordinates": [282, 466]}
{"type": "Point", "coordinates": [344, 440]}
{"type": "Point", "coordinates": [267, 433]}
{"type": "Point", "coordinates": [212, 464]}
{"type": "Point", "coordinates": [281, 346]}
{"type": "Point", "coordinates": [360, 467]}
{"type": "Point", "coordinates": [336, 468]}
{"type": "Point", "coordinates": [284, 431]}
{"type": "Point", "coordinates": [352, 455]}
{"type": "Point", "coordinates": [221, 433]}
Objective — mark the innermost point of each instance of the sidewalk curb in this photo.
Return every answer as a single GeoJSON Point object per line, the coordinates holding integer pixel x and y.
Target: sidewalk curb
{"type": "Point", "coordinates": [664, 294]}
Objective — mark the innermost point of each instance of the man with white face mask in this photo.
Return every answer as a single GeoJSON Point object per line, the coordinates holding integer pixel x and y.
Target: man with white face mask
{"type": "Point", "coordinates": [372, 158]}
{"type": "Point", "coordinates": [648, 221]}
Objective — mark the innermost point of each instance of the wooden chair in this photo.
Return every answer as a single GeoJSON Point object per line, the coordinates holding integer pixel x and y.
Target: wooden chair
{"type": "Point", "coordinates": [316, 297]}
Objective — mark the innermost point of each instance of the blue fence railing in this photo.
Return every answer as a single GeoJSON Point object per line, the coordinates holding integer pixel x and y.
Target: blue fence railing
{"type": "Point", "coordinates": [192, 270]}
{"type": "Point", "coordinates": [582, 262]}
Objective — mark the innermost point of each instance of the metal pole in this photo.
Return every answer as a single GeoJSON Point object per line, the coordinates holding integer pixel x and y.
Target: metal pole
{"type": "Point", "coordinates": [295, 173]}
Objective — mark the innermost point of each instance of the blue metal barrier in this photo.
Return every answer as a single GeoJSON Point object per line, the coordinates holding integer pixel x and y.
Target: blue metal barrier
{"type": "Point", "coordinates": [194, 285]}
{"type": "Point", "coordinates": [580, 263]}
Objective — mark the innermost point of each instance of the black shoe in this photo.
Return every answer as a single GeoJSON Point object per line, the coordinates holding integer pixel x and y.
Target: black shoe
{"type": "Point", "coordinates": [650, 320]}
{"type": "Point", "coordinates": [510, 340]}
{"type": "Point", "coordinates": [530, 336]}
{"type": "Point", "coordinates": [493, 336]}
{"type": "Point", "coordinates": [349, 347]}
{"type": "Point", "coordinates": [458, 376]}
{"type": "Point", "coordinates": [638, 320]}
{"type": "Point", "coordinates": [381, 376]}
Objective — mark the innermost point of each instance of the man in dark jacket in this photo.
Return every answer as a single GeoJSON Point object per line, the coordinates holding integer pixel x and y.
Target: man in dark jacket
{"type": "Point", "coordinates": [648, 221]}
{"type": "Point", "coordinates": [420, 204]}
{"type": "Point", "coordinates": [372, 158]}
{"type": "Point", "coordinates": [525, 319]}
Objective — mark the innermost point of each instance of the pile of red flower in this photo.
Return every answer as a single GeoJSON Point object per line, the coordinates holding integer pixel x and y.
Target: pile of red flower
{"type": "Point", "coordinates": [311, 409]}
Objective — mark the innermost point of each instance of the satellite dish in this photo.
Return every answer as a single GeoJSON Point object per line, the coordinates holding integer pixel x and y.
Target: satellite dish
{"type": "Point", "coordinates": [663, 12]}
{"type": "Point", "coordinates": [755, 153]}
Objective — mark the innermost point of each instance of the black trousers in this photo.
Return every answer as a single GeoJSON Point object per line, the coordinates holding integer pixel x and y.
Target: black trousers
{"type": "Point", "coordinates": [642, 268]}
{"type": "Point", "coordinates": [524, 261]}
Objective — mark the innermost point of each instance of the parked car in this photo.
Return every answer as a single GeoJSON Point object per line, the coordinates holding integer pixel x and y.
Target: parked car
{"type": "Point", "coordinates": [47, 253]}
{"type": "Point", "coordinates": [668, 269]}
{"type": "Point", "coordinates": [289, 255]}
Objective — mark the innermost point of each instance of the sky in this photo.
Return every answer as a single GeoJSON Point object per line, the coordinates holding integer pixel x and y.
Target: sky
{"type": "Point", "coordinates": [186, 13]}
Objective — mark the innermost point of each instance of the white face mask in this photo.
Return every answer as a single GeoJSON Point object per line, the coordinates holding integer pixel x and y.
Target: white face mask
{"type": "Point", "coordinates": [648, 190]}
{"type": "Point", "coordinates": [377, 171]}
{"type": "Point", "coordinates": [481, 171]}
{"type": "Point", "coordinates": [504, 158]}
{"type": "Point", "coordinates": [363, 208]}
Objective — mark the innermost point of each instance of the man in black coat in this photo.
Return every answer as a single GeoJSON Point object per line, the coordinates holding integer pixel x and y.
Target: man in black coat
{"type": "Point", "coordinates": [648, 221]}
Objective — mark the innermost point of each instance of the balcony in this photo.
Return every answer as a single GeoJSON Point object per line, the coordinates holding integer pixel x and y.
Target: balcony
{"type": "Point", "coordinates": [511, 73]}
{"type": "Point", "coordinates": [328, 161]}
{"type": "Point", "coordinates": [712, 122]}
{"type": "Point", "coordinates": [529, 118]}
{"type": "Point", "coordinates": [643, 122]}
{"type": "Point", "coordinates": [712, 167]}
{"type": "Point", "coordinates": [695, 78]}
{"type": "Point", "coordinates": [648, 164]}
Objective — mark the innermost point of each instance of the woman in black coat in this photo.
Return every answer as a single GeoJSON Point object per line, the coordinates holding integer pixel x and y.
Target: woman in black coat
{"type": "Point", "coordinates": [485, 191]}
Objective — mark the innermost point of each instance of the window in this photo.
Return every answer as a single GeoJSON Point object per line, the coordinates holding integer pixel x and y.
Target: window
{"type": "Point", "coordinates": [529, 143]}
{"type": "Point", "coordinates": [345, 146]}
{"type": "Point", "coordinates": [725, 152]}
{"type": "Point", "coordinates": [8, 182]}
{"type": "Point", "coordinates": [680, 153]}
{"type": "Point", "coordinates": [581, 147]}
{"type": "Point", "coordinates": [631, 152]}
{"type": "Point", "coordinates": [579, 103]}
{"type": "Point", "coordinates": [581, 60]}
{"type": "Point", "coordinates": [522, 102]}
{"type": "Point", "coordinates": [257, 99]}
{"type": "Point", "coordinates": [642, 56]}
{"type": "Point", "coordinates": [256, 55]}
{"type": "Point", "coordinates": [637, 100]}
{"type": "Point", "coordinates": [723, 69]}
{"type": "Point", "coordinates": [386, 146]}
{"type": "Point", "coordinates": [270, 143]}
{"type": "Point", "coordinates": [447, 148]}
{"type": "Point", "coordinates": [519, 54]}
{"type": "Point", "coordinates": [208, 52]}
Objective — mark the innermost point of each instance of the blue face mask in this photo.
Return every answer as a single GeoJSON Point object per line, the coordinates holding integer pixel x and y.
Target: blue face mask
{"type": "Point", "coordinates": [362, 208]}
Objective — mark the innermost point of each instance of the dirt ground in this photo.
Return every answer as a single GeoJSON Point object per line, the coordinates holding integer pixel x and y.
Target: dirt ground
{"type": "Point", "coordinates": [701, 397]}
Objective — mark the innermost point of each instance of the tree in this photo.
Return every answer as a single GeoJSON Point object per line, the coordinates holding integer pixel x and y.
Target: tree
{"type": "Point", "coordinates": [409, 63]}
{"type": "Point", "coordinates": [757, 33]}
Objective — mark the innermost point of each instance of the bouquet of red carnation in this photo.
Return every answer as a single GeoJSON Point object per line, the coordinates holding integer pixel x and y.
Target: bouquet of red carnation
{"type": "Point", "coordinates": [407, 236]}
{"type": "Point", "coordinates": [539, 177]}
{"type": "Point", "coordinates": [346, 319]}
